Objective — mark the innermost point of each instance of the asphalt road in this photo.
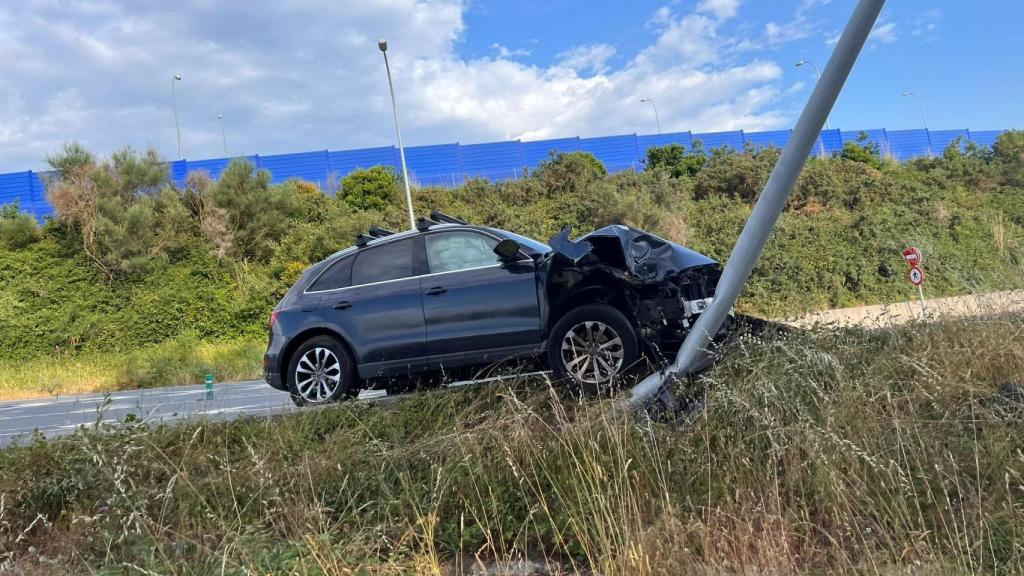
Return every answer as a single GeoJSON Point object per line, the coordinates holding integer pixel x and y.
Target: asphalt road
{"type": "Point", "coordinates": [54, 417]}
{"type": "Point", "coordinates": [57, 416]}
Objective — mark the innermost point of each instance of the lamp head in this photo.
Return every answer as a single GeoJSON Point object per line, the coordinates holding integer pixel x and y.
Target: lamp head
{"type": "Point", "coordinates": [382, 44]}
{"type": "Point", "coordinates": [177, 76]}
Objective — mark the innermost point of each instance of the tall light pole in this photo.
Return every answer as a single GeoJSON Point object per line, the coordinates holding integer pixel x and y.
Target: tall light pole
{"type": "Point", "coordinates": [223, 134]}
{"type": "Point", "coordinates": [693, 352]}
{"type": "Point", "coordinates": [920, 104]}
{"type": "Point", "coordinates": [174, 99]}
{"type": "Point", "coordinates": [383, 45]}
{"type": "Point", "coordinates": [656, 119]}
{"type": "Point", "coordinates": [817, 74]}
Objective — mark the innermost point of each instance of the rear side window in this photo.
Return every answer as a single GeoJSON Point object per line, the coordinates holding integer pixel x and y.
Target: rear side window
{"type": "Point", "coordinates": [337, 275]}
{"type": "Point", "coordinates": [388, 262]}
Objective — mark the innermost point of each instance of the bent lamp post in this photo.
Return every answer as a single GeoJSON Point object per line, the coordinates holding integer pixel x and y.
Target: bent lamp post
{"type": "Point", "coordinates": [693, 351]}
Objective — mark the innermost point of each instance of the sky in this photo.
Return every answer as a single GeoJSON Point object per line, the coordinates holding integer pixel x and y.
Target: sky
{"type": "Point", "coordinates": [305, 75]}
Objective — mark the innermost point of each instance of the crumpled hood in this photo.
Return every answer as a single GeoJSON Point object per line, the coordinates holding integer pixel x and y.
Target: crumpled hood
{"type": "Point", "coordinates": [643, 254]}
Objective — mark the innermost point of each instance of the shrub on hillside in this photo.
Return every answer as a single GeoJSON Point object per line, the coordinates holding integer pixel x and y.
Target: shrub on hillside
{"type": "Point", "coordinates": [372, 188]}
{"type": "Point", "coordinates": [676, 160]}
{"type": "Point", "coordinates": [17, 229]}
{"type": "Point", "coordinates": [124, 208]}
{"type": "Point", "coordinates": [255, 215]}
{"type": "Point", "coordinates": [569, 172]}
{"type": "Point", "coordinates": [735, 175]}
{"type": "Point", "coordinates": [862, 151]}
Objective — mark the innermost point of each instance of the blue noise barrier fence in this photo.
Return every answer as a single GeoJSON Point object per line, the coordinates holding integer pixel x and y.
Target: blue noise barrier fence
{"type": "Point", "coordinates": [452, 164]}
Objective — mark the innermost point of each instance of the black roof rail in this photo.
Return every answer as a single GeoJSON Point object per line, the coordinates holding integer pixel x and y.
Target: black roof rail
{"type": "Point", "coordinates": [378, 232]}
{"type": "Point", "coordinates": [424, 224]}
{"type": "Point", "coordinates": [442, 217]}
{"type": "Point", "coordinates": [362, 240]}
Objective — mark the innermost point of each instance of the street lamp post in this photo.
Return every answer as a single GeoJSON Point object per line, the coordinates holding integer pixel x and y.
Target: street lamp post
{"type": "Point", "coordinates": [223, 134]}
{"type": "Point", "coordinates": [656, 118]}
{"type": "Point", "coordinates": [924, 118]}
{"type": "Point", "coordinates": [817, 74]}
{"type": "Point", "coordinates": [383, 45]}
{"type": "Point", "coordinates": [174, 99]}
{"type": "Point", "coordinates": [920, 104]}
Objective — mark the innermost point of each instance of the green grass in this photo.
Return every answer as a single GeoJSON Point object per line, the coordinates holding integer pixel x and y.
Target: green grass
{"type": "Point", "coordinates": [184, 360]}
{"type": "Point", "coordinates": [886, 452]}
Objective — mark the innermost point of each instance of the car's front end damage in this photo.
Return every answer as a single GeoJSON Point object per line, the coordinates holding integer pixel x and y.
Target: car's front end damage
{"type": "Point", "coordinates": [660, 285]}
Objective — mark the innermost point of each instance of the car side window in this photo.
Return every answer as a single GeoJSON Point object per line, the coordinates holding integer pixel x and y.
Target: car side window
{"type": "Point", "coordinates": [450, 251]}
{"type": "Point", "coordinates": [337, 275]}
{"type": "Point", "coordinates": [390, 261]}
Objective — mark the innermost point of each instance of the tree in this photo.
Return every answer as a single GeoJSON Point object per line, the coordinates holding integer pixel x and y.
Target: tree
{"type": "Point", "coordinates": [675, 159]}
{"type": "Point", "coordinates": [371, 188]}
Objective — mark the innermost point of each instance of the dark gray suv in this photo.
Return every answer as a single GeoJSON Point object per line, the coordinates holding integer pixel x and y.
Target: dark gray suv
{"type": "Point", "coordinates": [450, 294]}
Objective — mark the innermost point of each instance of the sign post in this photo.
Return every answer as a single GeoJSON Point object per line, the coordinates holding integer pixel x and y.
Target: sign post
{"type": "Point", "coordinates": [913, 257]}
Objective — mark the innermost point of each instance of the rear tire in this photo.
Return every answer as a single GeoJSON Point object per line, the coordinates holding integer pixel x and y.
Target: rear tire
{"type": "Point", "coordinates": [320, 371]}
{"type": "Point", "coordinates": [591, 347]}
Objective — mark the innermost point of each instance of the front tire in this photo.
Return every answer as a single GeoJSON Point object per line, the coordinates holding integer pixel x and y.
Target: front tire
{"type": "Point", "coordinates": [320, 371]}
{"type": "Point", "coordinates": [590, 347]}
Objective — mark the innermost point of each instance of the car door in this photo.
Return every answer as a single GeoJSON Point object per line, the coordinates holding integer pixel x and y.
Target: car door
{"type": "Point", "coordinates": [378, 308]}
{"type": "Point", "coordinates": [472, 302]}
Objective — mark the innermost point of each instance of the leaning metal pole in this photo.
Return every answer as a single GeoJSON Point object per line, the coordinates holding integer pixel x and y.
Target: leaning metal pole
{"type": "Point", "coordinates": [770, 204]}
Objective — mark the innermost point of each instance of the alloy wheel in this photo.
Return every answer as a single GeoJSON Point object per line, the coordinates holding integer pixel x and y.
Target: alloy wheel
{"type": "Point", "coordinates": [592, 352]}
{"type": "Point", "coordinates": [317, 375]}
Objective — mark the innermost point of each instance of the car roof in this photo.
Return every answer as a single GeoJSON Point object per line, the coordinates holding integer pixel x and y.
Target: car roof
{"type": "Point", "coordinates": [409, 234]}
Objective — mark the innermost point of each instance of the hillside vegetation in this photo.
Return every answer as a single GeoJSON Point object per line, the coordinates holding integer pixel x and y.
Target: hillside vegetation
{"type": "Point", "coordinates": [893, 452]}
{"type": "Point", "coordinates": [133, 264]}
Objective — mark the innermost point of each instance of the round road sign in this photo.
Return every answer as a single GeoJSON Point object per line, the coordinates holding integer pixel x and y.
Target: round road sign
{"type": "Point", "coordinates": [913, 256]}
{"type": "Point", "coordinates": [916, 276]}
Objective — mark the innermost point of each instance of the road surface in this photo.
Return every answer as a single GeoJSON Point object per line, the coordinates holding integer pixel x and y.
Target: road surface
{"type": "Point", "coordinates": [53, 417]}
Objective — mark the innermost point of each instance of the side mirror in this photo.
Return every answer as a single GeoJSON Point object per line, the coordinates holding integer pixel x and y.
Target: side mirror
{"type": "Point", "coordinates": [507, 249]}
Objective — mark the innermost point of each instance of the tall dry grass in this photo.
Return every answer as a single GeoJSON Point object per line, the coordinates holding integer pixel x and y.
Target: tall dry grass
{"type": "Point", "coordinates": [897, 451]}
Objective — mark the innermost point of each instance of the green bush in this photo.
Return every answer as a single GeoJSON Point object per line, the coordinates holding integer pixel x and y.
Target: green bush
{"type": "Point", "coordinates": [370, 188]}
{"type": "Point", "coordinates": [17, 229]}
{"type": "Point", "coordinates": [676, 160]}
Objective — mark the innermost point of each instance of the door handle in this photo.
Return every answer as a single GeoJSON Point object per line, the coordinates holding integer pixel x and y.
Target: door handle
{"type": "Point", "coordinates": [344, 304]}
{"type": "Point", "coordinates": [435, 291]}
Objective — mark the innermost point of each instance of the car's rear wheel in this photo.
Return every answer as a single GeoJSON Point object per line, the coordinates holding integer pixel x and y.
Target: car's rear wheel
{"type": "Point", "coordinates": [320, 371]}
{"type": "Point", "coordinates": [590, 347]}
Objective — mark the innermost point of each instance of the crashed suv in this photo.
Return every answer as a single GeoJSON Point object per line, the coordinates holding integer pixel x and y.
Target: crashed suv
{"type": "Point", "coordinates": [450, 294]}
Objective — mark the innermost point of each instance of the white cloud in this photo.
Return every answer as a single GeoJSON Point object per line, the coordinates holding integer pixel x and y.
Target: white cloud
{"type": "Point", "coordinates": [884, 32]}
{"type": "Point", "coordinates": [589, 57]}
{"type": "Point", "coordinates": [307, 75]}
{"type": "Point", "coordinates": [719, 8]}
{"type": "Point", "coordinates": [505, 52]}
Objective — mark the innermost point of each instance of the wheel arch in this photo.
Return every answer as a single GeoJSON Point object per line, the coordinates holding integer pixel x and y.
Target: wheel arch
{"type": "Point", "coordinates": [614, 296]}
{"type": "Point", "coordinates": [302, 337]}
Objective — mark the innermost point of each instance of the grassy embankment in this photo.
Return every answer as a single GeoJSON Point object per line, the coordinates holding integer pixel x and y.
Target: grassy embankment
{"type": "Point", "coordinates": [138, 283]}
{"type": "Point", "coordinates": [892, 452]}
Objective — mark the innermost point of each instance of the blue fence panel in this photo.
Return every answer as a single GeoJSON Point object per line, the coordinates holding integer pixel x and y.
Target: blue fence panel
{"type": "Point", "coordinates": [643, 143]}
{"type": "Point", "coordinates": [341, 162]}
{"type": "Point", "coordinates": [14, 187]}
{"type": "Point", "coordinates": [179, 170]}
{"type": "Point", "coordinates": [214, 166]}
{"type": "Point", "coordinates": [616, 152]}
{"type": "Point", "coordinates": [310, 166]}
{"type": "Point", "coordinates": [985, 137]}
{"type": "Point", "coordinates": [941, 139]}
{"type": "Point", "coordinates": [777, 138]}
{"type": "Point", "coordinates": [712, 140]}
{"type": "Point", "coordinates": [492, 160]}
{"type": "Point", "coordinates": [436, 165]}
{"type": "Point", "coordinates": [907, 144]}
{"type": "Point", "coordinates": [534, 152]}
{"type": "Point", "coordinates": [446, 164]}
{"type": "Point", "coordinates": [876, 136]}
